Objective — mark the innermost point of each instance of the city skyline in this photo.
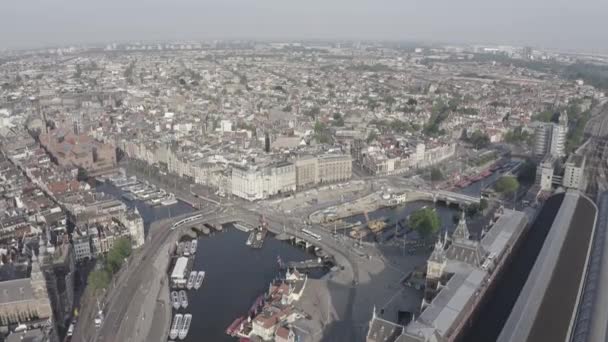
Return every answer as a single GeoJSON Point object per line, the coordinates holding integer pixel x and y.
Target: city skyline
{"type": "Point", "coordinates": [558, 25]}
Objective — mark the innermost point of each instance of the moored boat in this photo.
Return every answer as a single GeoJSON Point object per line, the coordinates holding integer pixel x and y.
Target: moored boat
{"type": "Point", "coordinates": [234, 326]}
{"type": "Point", "coordinates": [169, 200]}
{"type": "Point", "coordinates": [183, 299]}
{"type": "Point", "coordinates": [187, 248]}
{"type": "Point", "coordinates": [183, 332]}
{"type": "Point", "coordinates": [175, 300]}
{"type": "Point", "coordinates": [191, 280]}
{"type": "Point", "coordinates": [193, 246]}
{"type": "Point", "coordinates": [175, 327]}
{"type": "Point", "coordinates": [200, 276]}
{"type": "Point", "coordinates": [243, 227]}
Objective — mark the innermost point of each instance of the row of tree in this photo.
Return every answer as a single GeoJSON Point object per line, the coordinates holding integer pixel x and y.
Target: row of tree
{"type": "Point", "coordinates": [101, 277]}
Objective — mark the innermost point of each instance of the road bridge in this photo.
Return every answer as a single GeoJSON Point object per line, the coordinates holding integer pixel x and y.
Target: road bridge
{"type": "Point", "coordinates": [448, 197]}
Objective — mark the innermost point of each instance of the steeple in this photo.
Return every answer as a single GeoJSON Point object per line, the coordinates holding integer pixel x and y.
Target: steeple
{"type": "Point", "coordinates": [438, 254]}
{"type": "Point", "coordinates": [462, 232]}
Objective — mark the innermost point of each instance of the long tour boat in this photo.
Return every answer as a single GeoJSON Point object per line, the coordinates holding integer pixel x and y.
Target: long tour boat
{"type": "Point", "coordinates": [177, 324]}
{"type": "Point", "coordinates": [183, 332]}
{"type": "Point", "coordinates": [175, 300]}
{"type": "Point", "coordinates": [191, 280]}
{"type": "Point", "coordinates": [183, 299]}
{"type": "Point", "coordinates": [200, 276]}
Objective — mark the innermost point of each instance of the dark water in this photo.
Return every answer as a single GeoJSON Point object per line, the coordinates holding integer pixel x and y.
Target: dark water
{"type": "Point", "coordinates": [235, 273]}
{"type": "Point", "coordinates": [444, 212]}
{"type": "Point", "coordinates": [475, 188]}
{"type": "Point", "coordinates": [235, 276]}
{"type": "Point", "coordinates": [147, 212]}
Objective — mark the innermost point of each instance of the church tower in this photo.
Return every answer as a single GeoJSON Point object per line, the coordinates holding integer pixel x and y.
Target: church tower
{"type": "Point", "coordinates": [461, 233]}
{"type": "Point", "coordinates": [435, 267]}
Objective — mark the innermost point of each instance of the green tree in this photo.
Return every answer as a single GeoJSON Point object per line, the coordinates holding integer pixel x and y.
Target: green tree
{"type": "Point", "coordinates": [338, 120]}
{"type": "Point", "coordinates": [483, 204]}
{"type": "Point", "coordinates": [507, 185]}
{"type": "Point", "coordinates": [527, 173]}
{"type": "Point", "coordinates": [472, 209]}
{"type": "Point", "coordinates": [99, 279]}
{"type": "Point", "coordinates": [371, 136]}
{"type": "Point", "coordinates": [83, 174]}
{"type": "Point", "coordinates": [117, 254]}
{"type": "Point", "coordinates": [425, 221]}
{"type": "Point", "coordinates": [479, 139]}
{"type": "Point", "coordinates": [436, 175]}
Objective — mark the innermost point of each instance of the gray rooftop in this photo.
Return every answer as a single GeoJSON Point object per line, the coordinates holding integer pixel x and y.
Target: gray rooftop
{"type": "Point", "coordinates": [16, 290]}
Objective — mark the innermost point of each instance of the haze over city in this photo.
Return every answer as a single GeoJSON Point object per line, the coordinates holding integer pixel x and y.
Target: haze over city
{"type": "Point", "coordinates": [562, 24]}
{"type": "Point", "coordinates": [314, 171]}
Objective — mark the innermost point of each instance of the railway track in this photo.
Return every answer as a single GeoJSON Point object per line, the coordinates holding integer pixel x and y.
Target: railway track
{"type": "Point", "coordinates": [596, 151]}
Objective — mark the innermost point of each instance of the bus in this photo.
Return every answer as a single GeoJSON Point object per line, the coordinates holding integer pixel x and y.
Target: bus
{"type": "Point", "coordinates": [311, 234]}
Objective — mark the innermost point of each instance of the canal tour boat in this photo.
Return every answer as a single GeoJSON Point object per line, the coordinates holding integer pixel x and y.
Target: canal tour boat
{"type": "Point", "coordinates": [200, 276]}
{"type": "Point", "coordinates": [183, 332]}
{"type": "Point", "coordinates": [183, 299]}
{"type": "Point", "coordinates": [169, 200]}
{"type": "Point", "coordinates": [177, 325]}
{"type": "Point", "coordinates": [191, 280]}
{"type": "Point", "coordinates": [193, 246]}
{"type": "Point", "coordinates": [175, 300]}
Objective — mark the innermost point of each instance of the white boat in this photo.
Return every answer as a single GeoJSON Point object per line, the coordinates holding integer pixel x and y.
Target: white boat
{"type": "Point", "coordinates": [191, 280]}
{"type": "Point", "coordinates": [200, 276]}
{"type": "Point", "coordinates": [175, 300]}
{"type": "Point", "coordinates": [183, 332]}
{"type": "Point", "coordinates": [243, 227]}
{"type": "Point", "coordinates": [176, 326]}
{"type": "Point", "coordinates": [187, 248]}
{"type": "Point", "coordinates": [183, 299]}
{"type": "Point", "coordinates": [127, 182]}
{"type": "Point", "coordinates": [169, 200]}
{"type": "Point", "coordinates": [193, 247]}
{"type": "Point", "coordinates": [250, 238]}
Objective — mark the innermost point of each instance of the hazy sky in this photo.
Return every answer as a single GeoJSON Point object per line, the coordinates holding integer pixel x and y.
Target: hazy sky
{"type": "Point", "coordinates": [576, 24]}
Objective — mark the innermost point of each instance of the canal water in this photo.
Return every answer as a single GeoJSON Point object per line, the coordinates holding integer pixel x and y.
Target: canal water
{"type": "Point", "coordinates": [235, 273]}
{"type": "Point", "coordinates": [147, 212]}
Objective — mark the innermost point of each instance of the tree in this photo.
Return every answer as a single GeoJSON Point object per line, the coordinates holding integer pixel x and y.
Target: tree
{"type": "Point", "coordinates": [99, 279]}
{"type": "Point", "coordinates": [371, 137]}
{"type": "Point", "coordinates": [338, 120]}
{"type": "Point", "coordinates": [483, 204]}
{"type": "Point", "coordinates": [83, 174]}
{"type": "Point", "coordinates": [479, 139]}
{"type": "Point", "coordinates": [117, 254]}
{"type": "Point", "coordinates": [436, 175]}
{"type": "Point", "coordinates": [472, 209]}
{"type": "Point", "coordinates": [527, 173]}
{"type": "Point", "coordinates": [425, 221]}
{"type": "Point", "coordinates": [507, 185]}
{"type": "Point", "coordinates": [322, 133]}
